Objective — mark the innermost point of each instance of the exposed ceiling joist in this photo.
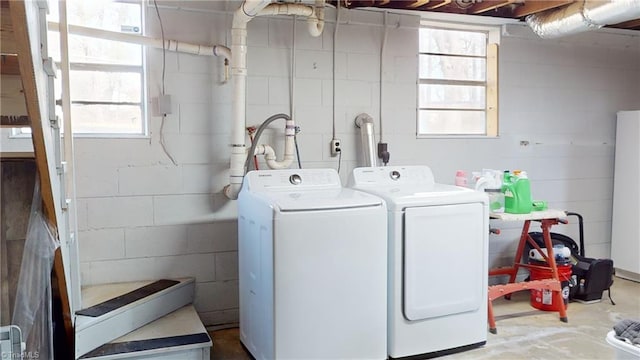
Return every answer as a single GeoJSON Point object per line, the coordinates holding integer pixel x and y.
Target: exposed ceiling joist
{"type": "Point", "coordinates": [488, 5]}
{"type": "Point", "coordinates": [631, 24]}
{"type": "Point", "coordinates": [534, 6]}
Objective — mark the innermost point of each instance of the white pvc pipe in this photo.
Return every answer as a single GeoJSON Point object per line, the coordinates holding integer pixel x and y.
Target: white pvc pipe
{"type": "Point", "coordinates": [289, 148]}
{"type": "Point", "coordinates": [171, 45]}
{"type": "Point", "coordinates": [248, 10]}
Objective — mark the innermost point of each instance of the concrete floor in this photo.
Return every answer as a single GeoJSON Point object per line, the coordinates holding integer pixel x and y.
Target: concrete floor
{"type": "Point", "coordinates": [523, 332]}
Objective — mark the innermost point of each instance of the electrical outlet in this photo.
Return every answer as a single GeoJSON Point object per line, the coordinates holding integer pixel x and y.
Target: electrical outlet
{"type": "Point", "coordinates": [336, 147]}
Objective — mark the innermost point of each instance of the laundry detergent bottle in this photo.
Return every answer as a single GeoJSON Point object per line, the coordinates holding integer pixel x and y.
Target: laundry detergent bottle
{"type": "Point", "coordinates": [517, 193]}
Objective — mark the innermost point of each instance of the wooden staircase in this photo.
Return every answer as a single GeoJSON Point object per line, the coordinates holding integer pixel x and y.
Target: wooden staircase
{"type": "Point", "coordinates": [142, 320]}
{"type": "Point", "coordinates": [139, 320]}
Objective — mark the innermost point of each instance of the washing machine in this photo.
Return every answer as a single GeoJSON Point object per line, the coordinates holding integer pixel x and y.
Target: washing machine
{"type": "Point", "coordinates": [438, 255]}
{"type": "Point", "coordinates": [312, 267]}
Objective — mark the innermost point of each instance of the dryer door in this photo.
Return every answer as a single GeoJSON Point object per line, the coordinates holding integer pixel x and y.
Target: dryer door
{"type": "Point", "coordinates": [444, 260]}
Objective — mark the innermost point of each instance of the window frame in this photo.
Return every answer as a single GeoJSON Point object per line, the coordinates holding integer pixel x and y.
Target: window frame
{"type": "Point", "coordinates": [490, 83]}
{"type": "Point", "coordinates": [109, 68]}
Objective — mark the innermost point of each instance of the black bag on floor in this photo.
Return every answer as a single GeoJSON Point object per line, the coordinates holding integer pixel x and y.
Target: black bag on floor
{"type": "Point", "coordinates": [590, 277]}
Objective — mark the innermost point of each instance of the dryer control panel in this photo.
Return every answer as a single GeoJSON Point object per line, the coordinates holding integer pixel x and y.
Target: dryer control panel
{"type": "Point", "coordinates": [292, 180]}
{"type": "Point", "coordinates": [392, 175]}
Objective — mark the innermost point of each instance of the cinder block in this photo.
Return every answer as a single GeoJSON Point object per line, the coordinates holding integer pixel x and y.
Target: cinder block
{"type": "Point", "coordinates": [258, 90]}
{"type": "Point", "coordinates": [182, 209]}
{"type": "Point", "coordinates": [222, 317]}
{"type": "Point", "coordinates": [122, 270]}
{"type": "Point", "coordinates": [103, 244]}
{"type": "Point", "coordinates": [264, 61]}
{"type": "Point", "coordinates": [95, 179]}
{"type": "Point", "coordinates": [216, 295]}
{"type": "Point", "coordinates": [191, 63]}
{"type": "Point", "coordinates": [353, 93]}
{"type": "Point", "coordinates": [227, 265]}
{"type": "Point", "coordinates": [365, 67]}
{"type": "Point", "coordinates": [359, 39]}
{"type": "Point", "coordinates": [279, 90]}
{"type": "Point", "coordinates": [404, 69]}
{"type": "Point", "coordinates": [314, 119]}
{"type": "Point", "coordinates": [308, 92]}
{"type": "Point", "coordinates": [281, 32]}
{"type": "Point", "coordinates": [314, 64]}
{"type": "Point", "coordinates": [186, 88]}
{"type": "Point", "coordinates": [155, 241]}
{"type": "Point", "coordinates": [196, 118]}
{"type": "Point", "coordinates": [213, 237]}
{"type": "Point", "coordinates": [116, 212]}
{"type": "Point", "coordinates": [149, 180]}
{"type": "Point", "coordinates": [258, 32]}
{"type": "Point", "coordinates": [82, 214]}
{"type": "Point", "coordinates": [196, 179]}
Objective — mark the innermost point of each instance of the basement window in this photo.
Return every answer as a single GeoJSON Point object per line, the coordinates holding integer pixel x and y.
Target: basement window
{"type": "Point", "coordinates": [458, 81]}
{"type": "Point", "coordinates": [106, 77]}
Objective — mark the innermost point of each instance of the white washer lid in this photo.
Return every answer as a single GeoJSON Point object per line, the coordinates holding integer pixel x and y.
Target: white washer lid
{"type": "Point", "coordinates": [321, 199]}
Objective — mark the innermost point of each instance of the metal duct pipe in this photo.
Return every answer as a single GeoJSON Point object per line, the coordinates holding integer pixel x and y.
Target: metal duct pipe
{"type": "Point", "coordinates": [367, 134]}
{"type": "Point", "coordinates": [582, 16]}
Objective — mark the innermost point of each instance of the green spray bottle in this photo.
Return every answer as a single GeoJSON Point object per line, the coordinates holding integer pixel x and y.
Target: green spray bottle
{"type": "Point", "coordinates": [517, 192]}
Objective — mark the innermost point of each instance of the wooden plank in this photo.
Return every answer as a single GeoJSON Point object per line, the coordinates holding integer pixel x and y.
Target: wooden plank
{"type": "Point", "coordinates": [9, 65]}
{"type": "Point", "coordinates": [417, 4]}
{"type": "Point", "coordinates": [488, 5]}
{"type": "Point", "coordinates": [436, 4]}
{"type": "Point", "coordinates": [7, 42]}
{"type": "Point", "coordinates": [24, 17]}
{"type": "Point", "coordinates": [534, 6]}
{"type": "Point", "coordinates": [16, 155]}
{"type": "Point", "coordinates": [12, 96]}
{"type": "Point", "coordinates": [631, 24]}
{"type": "Point", "coordinates": [14, 121]}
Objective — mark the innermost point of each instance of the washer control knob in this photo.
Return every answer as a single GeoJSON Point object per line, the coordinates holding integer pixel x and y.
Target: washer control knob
{"type": "Point", "coordinates": [395, 175]}
{"type": "Point", "coordinates": [295, 179]}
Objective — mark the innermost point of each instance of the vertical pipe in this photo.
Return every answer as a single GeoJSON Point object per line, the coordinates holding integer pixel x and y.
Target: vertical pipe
{"type": "Point", "coordinates": [367, 135]}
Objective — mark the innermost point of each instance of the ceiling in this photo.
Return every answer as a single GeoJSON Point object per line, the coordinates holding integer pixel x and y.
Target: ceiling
{"type": "Point", "coordinates": [511, 9]}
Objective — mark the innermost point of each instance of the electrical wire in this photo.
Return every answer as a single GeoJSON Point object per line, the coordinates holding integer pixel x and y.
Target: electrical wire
{"type": "Point", "coordinates": [295, 141]}
{"type": "Point", "coordinates": [164, 67]}
{"type": "Point", "coordinates": [384, 43]}
{"type": "Point", "coordinates": [335, 37]}
{"type": "Point", "coordinates": [339, 160]}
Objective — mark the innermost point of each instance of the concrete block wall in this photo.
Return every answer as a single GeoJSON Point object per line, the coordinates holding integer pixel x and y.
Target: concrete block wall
{"type": "Point", "coordinates": [142, 217]}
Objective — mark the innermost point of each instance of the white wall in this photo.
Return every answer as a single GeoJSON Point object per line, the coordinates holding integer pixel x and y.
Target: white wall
{"type": "Point", "coordinates": [141, 217]}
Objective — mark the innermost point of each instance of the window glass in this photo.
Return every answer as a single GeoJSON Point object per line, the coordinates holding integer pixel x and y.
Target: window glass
{"type": "Point", "coordinates": [455, 73]}
{"type": "Point", "coordinates": [106, 77]}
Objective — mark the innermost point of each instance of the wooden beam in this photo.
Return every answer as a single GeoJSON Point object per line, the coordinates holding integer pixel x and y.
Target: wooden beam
{"type": "Point", "coordinates": [488, 5]}
{"type": "Point", "coordinates": [14, 121]}
{"type": "Point", "coordinates": [16, 155]}
{"type": "Point", "coordinates": [24, 17]}
{"type": "Point", "coordinates": [533, 6]}
{"type": "Point", "coordinates": [7, 42]}
{"type": "Point", "coordinates": [436, 4]}
{"type": "Point", "coordinates": [9, 65]}
{"type": "Point", "coordinates": [418, 3]}
{"type": "Point", "coordinates": [631, 24]}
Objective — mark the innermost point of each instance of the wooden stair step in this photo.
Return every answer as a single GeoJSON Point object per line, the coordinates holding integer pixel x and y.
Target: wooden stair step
{"type": "Point", "coordinates": [113, 310]}
{"type": "Point", "coordinates": [178, 335]}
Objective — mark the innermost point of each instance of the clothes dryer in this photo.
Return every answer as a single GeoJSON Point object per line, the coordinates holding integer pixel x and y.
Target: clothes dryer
{"type": "Point", "coordinates": [438, 255]}
{"type": "Point", "coordinates": [312, 267]}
